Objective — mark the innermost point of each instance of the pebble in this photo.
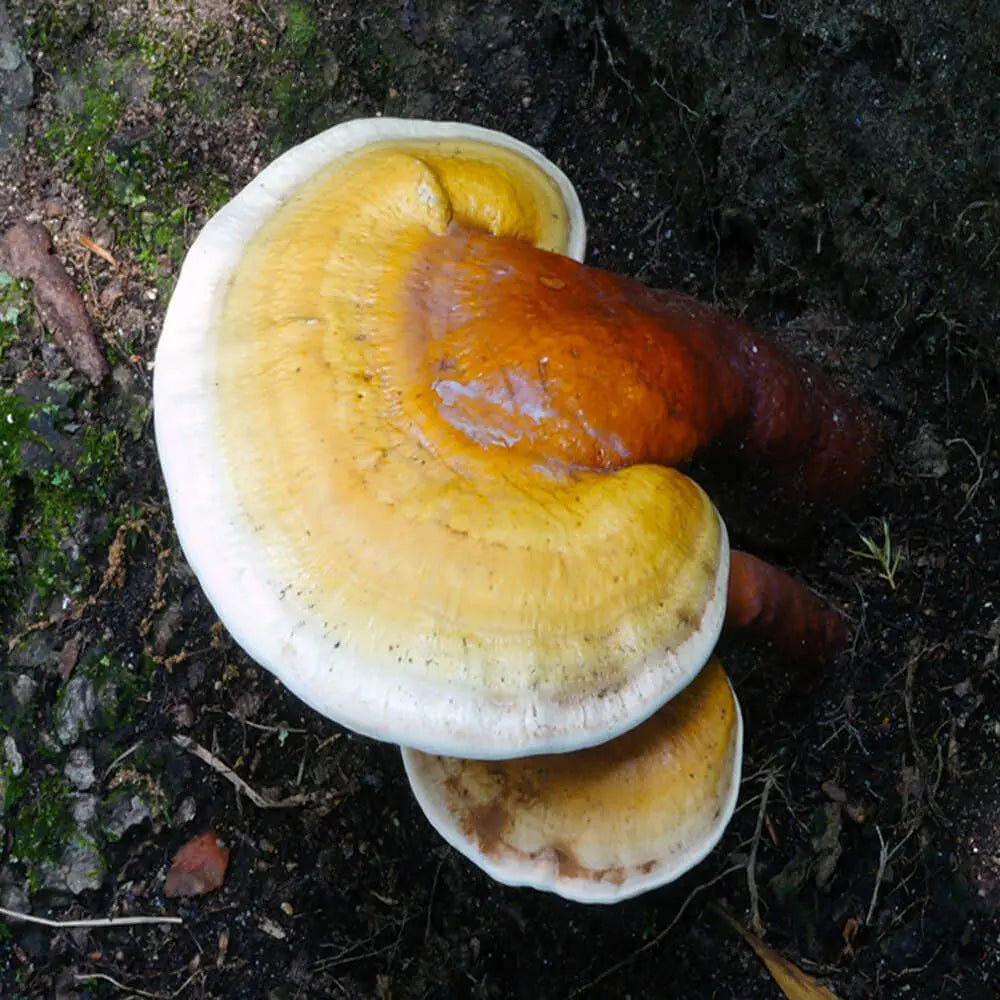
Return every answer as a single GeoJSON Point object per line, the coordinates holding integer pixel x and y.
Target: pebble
{"type": "Point", "coordinates": [16, 86]}
{"type": "Point", "coordinates": [79, 769]}
{"type": "Point", "coordinates": [185, 812]}
{"type": "Point", "coordinates": [77, 710]}
{"type": "Point", "coordinates": [127, 813]}
{"type": "Point", "coordinates": [80, 869]}
{"type": "Point", "coordinates": [14, 759]}
{"type": "Point", "coordinates": [23, 688]}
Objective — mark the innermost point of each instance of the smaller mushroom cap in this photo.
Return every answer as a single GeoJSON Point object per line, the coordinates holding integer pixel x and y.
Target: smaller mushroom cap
{"type": "Point", "coordinates": [602, 824]}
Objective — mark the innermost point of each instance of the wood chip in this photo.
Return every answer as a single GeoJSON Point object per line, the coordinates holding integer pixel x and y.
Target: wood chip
{"type": "Point", "coordinates": [96, 249]}
{"type": "Point", "coordinates": [68, 656]}
{"type": "Point", "coordinates": [268, 926]}
{"type": "Point", "coordinates": [26, 252]}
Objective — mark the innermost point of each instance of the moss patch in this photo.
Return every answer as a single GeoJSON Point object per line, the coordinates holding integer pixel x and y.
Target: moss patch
{"type": "Point", "coordinates": [301, 28]}
{"type": "Point", "coordinates": [129, 174]}
{"type": "Point", "coordinates": [14, 304]}
{"type": "Point", "coordinates": [119, 682]}
{"type": "Point", "coordinates": [54, 476]}
{"type": "Point", "coordinates": [40, 820]}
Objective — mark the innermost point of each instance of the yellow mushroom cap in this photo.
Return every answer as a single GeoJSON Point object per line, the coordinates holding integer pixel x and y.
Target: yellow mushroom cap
{"type": "Point", "coordinates": [399, 578]}
{"type": "Point", "coordinates": [604, 823]}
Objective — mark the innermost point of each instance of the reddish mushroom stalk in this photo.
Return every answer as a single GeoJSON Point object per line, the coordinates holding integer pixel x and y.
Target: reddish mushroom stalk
{"type": "Point", "coordinates": [765, 602]}
{"type": "Point", "coordinates": [580, 368]}
{"type": "Point", "coordinates": [583, 368]}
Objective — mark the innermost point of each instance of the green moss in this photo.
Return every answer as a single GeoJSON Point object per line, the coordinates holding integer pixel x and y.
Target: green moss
{"type": "Point", "coordinates": [60, 496]}
{"type": "Point", "coordinates": [138, 177]}
{"type": "Point", "coordinates": [375, 66]}
{"type": "Point", "coordinates": [292, 83]}
{"type": "Point", "coordinates": [120, 684]}
{"type": "Point", "coordinates": [40, 824]}
{"type": "Point", "coordinates": [14, 305]}
{"type": "Point", "coordinates": [99, 461]}
{"type": "Point", "coordinates": [14, 431]}
{"type": "Point", "coordinates": [157, 182]}
{"type": "Point", "coordinates": [15, 417]}
{"type": "Point", "coordinates": [80, 137]}
{"type": "Point", "coordinates": [300, 28]}
{"type": "Point", "coordinates": [133, 176]}
{"type": "Point", "coordinates": [42, 503]}
{"type": "Point", "coordinates": [40, 819]}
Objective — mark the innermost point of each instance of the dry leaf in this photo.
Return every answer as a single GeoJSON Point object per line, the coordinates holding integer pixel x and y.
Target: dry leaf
{"type": "Point", "coordinates": [849, 933]}
{"type": "Point", "coordinates": [198, 867]}
{"type": "Point", "coordinates": [794, 983]}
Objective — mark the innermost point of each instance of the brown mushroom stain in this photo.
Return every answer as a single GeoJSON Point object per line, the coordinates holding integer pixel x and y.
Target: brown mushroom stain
{"type": "Point", "coordinates": [524, 814]}
{"type": "Point", "coordinates": [486, 824]}
{"type": "Point", "coordinates": [571, 868]}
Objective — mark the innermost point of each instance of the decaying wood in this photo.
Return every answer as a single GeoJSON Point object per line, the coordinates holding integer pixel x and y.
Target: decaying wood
{"type": "Point", "coordinates": [26, 252]}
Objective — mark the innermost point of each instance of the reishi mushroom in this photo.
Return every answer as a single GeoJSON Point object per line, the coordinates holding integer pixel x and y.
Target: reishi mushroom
{"type": "Point", "coordinates": [395, 574]}
{"type": "Point", "coordinates": [421, 461]}
{"type": "Point", "coordinates": [601, 824]}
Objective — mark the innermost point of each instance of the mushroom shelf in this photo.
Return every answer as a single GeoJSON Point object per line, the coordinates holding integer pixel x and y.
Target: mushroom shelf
{"type": "Point", "coordinates": [422, 461]}
{"type": "Point", "coordinates": [396, 574]}
{"type": "Point", "coordinates": [605, 823]}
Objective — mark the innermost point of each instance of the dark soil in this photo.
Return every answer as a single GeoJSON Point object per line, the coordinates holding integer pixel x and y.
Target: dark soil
{"type": "Point", "coordinates": [830, 172]}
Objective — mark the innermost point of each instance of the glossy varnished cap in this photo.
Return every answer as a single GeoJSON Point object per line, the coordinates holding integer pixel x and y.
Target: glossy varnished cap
{"type": "Point", "coordinates": [601, 824]}
{"type": "Point", "coordinates": [400, 578]}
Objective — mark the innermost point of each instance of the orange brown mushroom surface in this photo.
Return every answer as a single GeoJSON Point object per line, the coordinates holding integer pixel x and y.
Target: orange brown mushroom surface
{"type": "Point", "coordinates": [398, 576]}
{"type": "Point", "coordinates": [422, 462]}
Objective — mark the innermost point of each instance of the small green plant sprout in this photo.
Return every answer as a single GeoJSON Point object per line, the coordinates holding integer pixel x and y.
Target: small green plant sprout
{"type": "Point", "coordinates": [884, 554]}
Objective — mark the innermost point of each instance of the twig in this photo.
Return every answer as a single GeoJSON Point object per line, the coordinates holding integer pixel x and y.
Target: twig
{"type": "Point", "coordinates": [260, 801]}
{"type": "Point", "coordinates": [326, 964]}
{"type": "Point", "coordinates": [676, 100]}
{"type": "Point", "coordinates": [597, 26]}
{"type": "Point", "coordinates": [973, 206]}
{"type": "Point", "coordinates": [971, 491]}
{"type": "Point", "coordinates": [430, 900]}
{"type": "Point", "coordinates": [920, 758]}
{"type": "Point", "coordinates": [883, 861]}
{"type": "Point", "coordinates": [97, 922]}
{"type": "Point", "coordinates": [884, 857]}
{"type": "Point", "coordinates": [862, 626]}
{"type": "Point", "coordinates": [350, 954]}
{"type": "Point", "coordinates": [83, 977]}
{"type": "Point", "coordinates": [124, 755]}
{"type": "Point", "coordinates": [86, 977]}
{"type": "Point", "coordinates": [287, 730]}
{"type": "Point", "coordinates": [755, 923]}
